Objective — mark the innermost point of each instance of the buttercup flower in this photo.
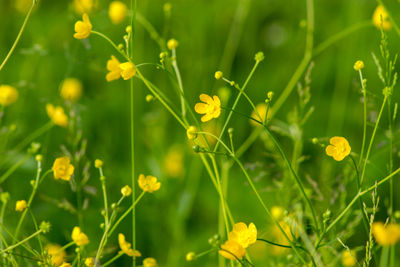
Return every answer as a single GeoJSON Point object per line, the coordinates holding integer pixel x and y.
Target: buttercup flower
{"type": "Point", "coordinates": [173, 164]}
{"type": "Point", "coordinates": [89, 262]}
{"type": "Point", "coordinates": [218, 75]}
{"type": "Point", "coordinates": [79, 237]}
{"type": "Point", "coordinates": [57, 115]}
{"type": "Point", "coordinates": [172, 44]}
{"type": "Point", "coordinates": [190, 256]}
{"type": "Point", "coordinates": [21, 205]}
{"type": "Point", "coordinates": [339, 148]}
{"type": "Point", "coordinates": [8, 95]}
{"type": "Point", "coordinates": [191, 132]}
{"type": "Point", "coordinates": [71, 89]}
{"type": "Point", "coordinates": [349, 258]}
{"type": "Point", "coordinates": [386, 235]}
{"type": "Point", "coordinates": [83, 27]}
{"type": "Point", "coordinates": [117, 12]}
{"type": "Point", "coordinates": [84, 6]}
{"type": "Point", "coordinates": [380, 18]}
{"type": "Point", "coordinates": [150, 262]}
{"type": "Point", "coordinates": [126, 247]}
{"type": "Point", "coordinates": [126, 191]}
{"type": "Point", "coordinates": [128, 70]}
{"type": "Point", "coordinates": [211, 107]}
{"type": "Point", "coordinates": [358, 65]}
{"type": "Point", "coordinates": [244, 235]}
{"type": "Point", "coordinates": [57, 254]}
{"type": "Point", "coordinates": [149, 183]}
{"type": "Point", "coordinates": [63, 169]}
{"type": "Point", "coordinates": [232, 250]}
{"type": "Point", "coordinates": [114, 69]}
{"type": "Point", "coordinates": [98, 163]}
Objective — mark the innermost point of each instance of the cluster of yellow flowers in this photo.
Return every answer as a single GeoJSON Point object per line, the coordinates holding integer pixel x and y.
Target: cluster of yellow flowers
{"type": "Point", "coordinates": [116, 69]}
{"type": "Point", "coordinates": [240, 238]}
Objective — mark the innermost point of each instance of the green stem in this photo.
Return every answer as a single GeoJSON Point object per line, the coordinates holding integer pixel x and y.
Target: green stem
{"type": "Point", "coordinates": [22, 241]}
{"type": "Point", "coordinates": [19, 35]}
{"type": "Point", "coordinates": [34, 135]}
{"type": "Point", "coordinates": [179, 78]}
{"type": "Point", "coordinates": [114, 259]}
{"type": "Point", "coordinates": [364, 91]}
{"type": "Point", "coordinates": [13, 168]}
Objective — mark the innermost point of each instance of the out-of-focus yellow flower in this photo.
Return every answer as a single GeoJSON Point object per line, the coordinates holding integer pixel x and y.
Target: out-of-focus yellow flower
{"type": "Point", "coordinates": [243, 235]}
{"type": "Point", "coordinates": [98, 163]}
{"type": "Point", "coordinates": [148, 183]}
{"type": "Point", "coordinates": [339, 148]}
{"type": "Point", "coordinates": [21, 205]}
{"type": "Point", "coordinates": [83, 27]}
{"type": "Point", "coordinates": [211, 127]}
{"type": "Point", "coordinates": [386, 235]}
{"type": "Point", "coordinates": [190, 256]}
{"type": "Point", "coordinates": [57, 115]}
{"type": "Point", "coordinates": [79, 237]}
{"type": "Point", "coordinates": [117, 12]}
{"type": "Point", "coordinates": [84, 6]}
{"type": "Point", "coordinates": [150, 262]}
{"type": "Point", "coordinates": [172, 44]}
{"type": "Point", "coordinates": [358, 65]}
{"type": "Point", "coordinates": [128, 70]}
{"type": "Point", "coordinates": [232, 250]}
{"type": "Point", "coordinates": [191, 132]}
{"type": "Point", "coordinates": [278, 237]}
{"type": "Point", "coordinates": [211, 107]}
{"type": "Point", "coordinates": [380, 18]}
{"type": "Point", "coordinates": [71, 89]}
{"type": "Point", "coordinates": [114, 69]}
{"type": "Point", "coordinates": [126, 191]}
{"type": "Point", "coordinates": [63, 169]}
{"type": "Point", "coordinates": [65, 264]}
{"type": "Point", "coordinates": [57, 254]}
{"type": "Point", "coordinates": [89, 262]}
{"type": "Point", "coordinates": [126, 247]}
{"type": "Point", "coordinates": [349, 258]}
{"type": "Point", "coordinates": [173, 162]}
{"type": "Point", "coordinates": [8, 95]}
{"type": "Point", "coordinates": [277, 212]}
{"type": "Point", "coordinates": [22, 5]}
{"type": "Point", "coordinates": [260, 114]}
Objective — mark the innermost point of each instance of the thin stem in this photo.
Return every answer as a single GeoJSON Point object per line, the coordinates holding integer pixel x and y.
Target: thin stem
{"type": "Point", "coordinates": [372, 140]}
{"type": "Point", "coordinates": [19, 35]}
{"type": "Point", "coordinates": [13, 168]}
{"type": "Point", "coordinates": [34, 135]}
{"type": "Point", "coordinates": [114, 259]}
{"type": "Point", "coordinates": [365, 118]}
{"type": "Point", "coordinates": [22, 241]}
{"type": "Point", "coordinates": [179, 78]}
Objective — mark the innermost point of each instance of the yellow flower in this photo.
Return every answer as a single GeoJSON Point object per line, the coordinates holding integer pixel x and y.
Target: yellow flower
{"type": "Point", "coordinates": [57, 115]}
{"type": "Point", "coordinates": [57, 254]}
{"type": "Point", "coordinates": [128, 70]}
{"type": "Point", "coordinates": [191, 132]}
{"type": "Point", "coordinates": [244, 235]}
{"type": "Point", "coordinates": [211, 107]}
{"type": "Point", "coordinates": [150, 262]}
{"type": "Point", "coordinates": [126, 247]}
{"type": "Point", "coordinates": [190, 256]}
{"type": "Point", "coordinates": [21, 205]}
{"type": "Point", "coordinates": [83, 27]}
{"type": "Point", "coordinates": [277, 236]}
{"type": "Point", "coordinates": [277, 212]}
{"type": "Point", "coordinates": [349, 258]}
{"type": "Point", "coordinates": [218, 75]}
{"type": "Point", "coordinates": [65, 264]}
{"type": "Point", "coordinates": [173, 162]}
{"type": "Point", "coordinates": [117, 12]}
{"type": "Point", "coordinates": [114, 69]}
{"type": "Point", "coordinates": [172, 44]}
{"type": "Point", "coordinates": [89, 262]}
{"type": "Point", "coordinates": [126, 191]}
{"type": "Point", "coordinates": [260, 114]}
{"type": "Point", "coordinates": [71, 89]}
{"type": "Point", "coordinates": [149, 183]}
{"type": "Point", "coordinates": [232, 250]}
{"type": "Point", "coordinates": [62, 168]}
{"type": "Point", "coordinates": [23, 5]}
{"type": "Point", "coordinates": [84, 6]}
{"type": "Point", "coordinates": [8, 95]}
{"type": "Point", "coordinates": [380, 18]}
{"type": "Point", "coordinates": [386, 235]}
{"type": "Point", "coordinates": [339, 148]}
{"type": "Point", "coordinates": [98, 163]}
{"type": "Point", "coordinates": [79, 237]}
{"type": "Point", "coordinates": [358, 65]}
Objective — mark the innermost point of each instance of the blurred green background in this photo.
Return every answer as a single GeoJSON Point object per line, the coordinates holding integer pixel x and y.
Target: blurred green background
{"type": "Point", "coordinates": [213, 35]}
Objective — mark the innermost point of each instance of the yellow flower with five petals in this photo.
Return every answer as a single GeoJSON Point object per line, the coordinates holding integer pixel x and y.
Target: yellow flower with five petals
{"type": "Point", "coordinates": [79, 237]}
{"type": "Point", "coordinates": [148, 183]}
{"type": "Point", "coordinates": [83, 27]}
{"type": "Point", "coordinates": [211, 107]}
{"type": "Point", "coordinates": [63, 169]}
{"type": "Point", "coordinates": [339, 148]}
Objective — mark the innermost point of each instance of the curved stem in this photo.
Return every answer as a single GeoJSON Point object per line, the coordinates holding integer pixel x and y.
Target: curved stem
{"type": "Point", "coordinates": [19, 35]}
